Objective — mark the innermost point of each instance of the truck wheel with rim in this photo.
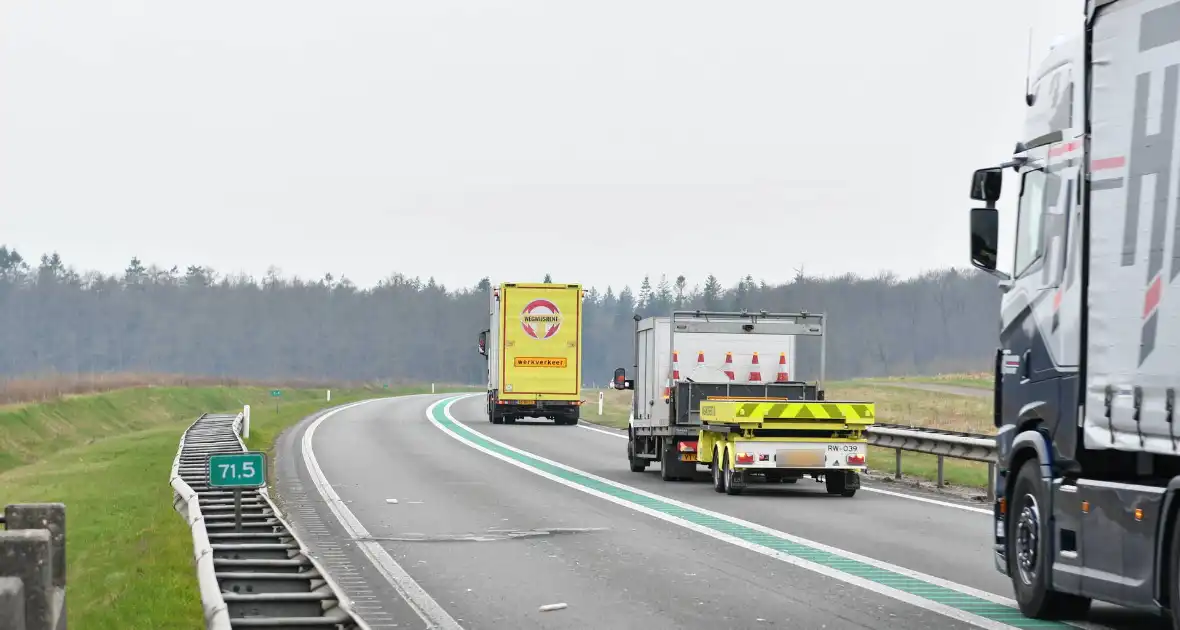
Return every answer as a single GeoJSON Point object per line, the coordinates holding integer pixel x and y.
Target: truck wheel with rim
{"type": "Point", "coordinates": [1029, 553]}
{"type": "Point", "coordinates": [718, 472]}
{"type": "Point", "coordinates": [637, 464]}
{"type": "Point", "coordinates": [728, 472]}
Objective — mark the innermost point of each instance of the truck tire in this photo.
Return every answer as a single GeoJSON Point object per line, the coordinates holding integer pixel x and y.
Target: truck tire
{"type": "Point", "coordinates": [1029, 556]}
{"type": "Point", "coordinates": [838, 484]}
{"type": "Point", "coordinates": [637, 464]}
{"type": "Point", "coordinates": [728, 473]}
{"type": "Point", "coordinates": [717, 471]}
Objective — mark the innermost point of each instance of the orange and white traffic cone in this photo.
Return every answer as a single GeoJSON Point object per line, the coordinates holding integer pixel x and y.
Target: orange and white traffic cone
{"type": "Point", "coordinates": [782, 369]}
{"type": "Point", "coordinates": [755, 371]}
{"type": "Point", "coordinates": [729, 365]}
{"type": "Point", "coordinates": [675, 366]}
{"type": "Point", "coordinates": [700, 359]}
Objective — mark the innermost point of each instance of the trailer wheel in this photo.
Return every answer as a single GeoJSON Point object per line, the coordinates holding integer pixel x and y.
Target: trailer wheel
{"type": "Point", "coordinates": [718, 473]}
{"type": "Point", "coordinates": [637, 464]}
{"type": "Point", "coordinates": [837, 483]}
{"type": "Point", "coordinates": [1029, 555]}
{"type": "Point", "coordinates": [731, 488]}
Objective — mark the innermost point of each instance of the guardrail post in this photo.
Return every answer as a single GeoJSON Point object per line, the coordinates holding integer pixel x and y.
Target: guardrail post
{"type": "Point", "coordinates": [49, 518]}
{"type": "Point", "coordinates": [12, 603]}
{"type": "Point", "coordinates": [27, 555]}
{"type": "Point", "coordinates": [897, 469]}
{"type": "Point", "coordinates": [940, 458]}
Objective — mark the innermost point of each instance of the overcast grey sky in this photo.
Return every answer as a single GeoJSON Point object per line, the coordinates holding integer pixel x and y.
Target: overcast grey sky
{"type": "Point", "coordinates": [597, 141]}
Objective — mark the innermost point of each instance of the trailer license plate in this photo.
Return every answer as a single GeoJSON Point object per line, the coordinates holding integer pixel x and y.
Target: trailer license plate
{"type": "Point", "coordinates": [800, 458]}
{"type": "Point", "coordinates": [688, 457]}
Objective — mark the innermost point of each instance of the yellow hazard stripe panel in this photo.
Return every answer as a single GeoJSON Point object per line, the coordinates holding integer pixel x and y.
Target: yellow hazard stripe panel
{"type": "Point", "coordinates": [860, 413]}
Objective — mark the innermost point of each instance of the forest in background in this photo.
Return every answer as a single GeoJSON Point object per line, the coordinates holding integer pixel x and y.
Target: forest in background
{"type": "Point", "coordinates": [195, 321]}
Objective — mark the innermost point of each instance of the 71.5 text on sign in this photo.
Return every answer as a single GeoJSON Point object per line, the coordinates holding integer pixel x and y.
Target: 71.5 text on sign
{"type": "Point", "coordinates": [237, 470]}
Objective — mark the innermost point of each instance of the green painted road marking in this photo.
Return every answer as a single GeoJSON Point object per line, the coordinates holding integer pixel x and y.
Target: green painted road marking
{"type": "Point", "coordinates": [937, 593]}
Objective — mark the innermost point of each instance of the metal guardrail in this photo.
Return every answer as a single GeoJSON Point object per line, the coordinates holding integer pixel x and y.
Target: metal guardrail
{"type": "Point", "coordinates": [953, 444]}
{"type": "Point", "coordinates": [260, 576]}
{"type": "Point", "coordinates": [33, 567]}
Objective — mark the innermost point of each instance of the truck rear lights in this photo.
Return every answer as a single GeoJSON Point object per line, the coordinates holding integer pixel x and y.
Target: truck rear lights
{"type": "Point", "coordinates": [856, 460]}
{"type": "Point", "coordinates": [745, 458]}
{"type": "Point", "coordinates": [688, 447]}
{"type": "Point", "coordinates": [763, 457]}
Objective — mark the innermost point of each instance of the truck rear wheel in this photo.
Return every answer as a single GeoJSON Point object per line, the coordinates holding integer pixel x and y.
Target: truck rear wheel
{"type": "Point", "coordinates": [837, 483]}
{"type": "Point", "coordinates": [1029, 555]}
{"type": "Point", "coordinates": [718, 472]}
{"type": "Point", "coordinates": [637, 464]}
{"type": "Point", "coordinates": [731, 488]}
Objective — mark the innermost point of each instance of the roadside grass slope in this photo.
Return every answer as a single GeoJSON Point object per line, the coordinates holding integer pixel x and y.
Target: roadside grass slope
{"type": "Point", "coordinates": [108, 457]}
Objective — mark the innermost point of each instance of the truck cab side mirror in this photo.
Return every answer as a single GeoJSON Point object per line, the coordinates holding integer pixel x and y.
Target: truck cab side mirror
{"type": "Point", "coordinates": [483, 343]}
{"type": "Point", "coordinates": [986, 184]}
{"type": "Point", "coordinates": [620, 380]}
{"type": "Point", "coordinates": [985, 238]}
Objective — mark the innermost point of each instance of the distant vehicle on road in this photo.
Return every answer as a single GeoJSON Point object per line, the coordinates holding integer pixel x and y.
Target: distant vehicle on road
{"type": "Point", "coordinates": [533, 348]}
{"type": "Point", "coordinates": [719, 404]}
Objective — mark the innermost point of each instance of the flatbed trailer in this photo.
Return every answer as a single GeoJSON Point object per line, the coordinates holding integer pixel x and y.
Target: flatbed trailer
{"type": "Point", "coordinates": [726, 415]}
{"type": "Point", "coordinates": [781, 439]}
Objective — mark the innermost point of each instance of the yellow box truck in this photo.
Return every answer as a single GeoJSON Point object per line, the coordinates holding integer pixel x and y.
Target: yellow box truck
{"type": "Point", "coordinates": [533, 348]}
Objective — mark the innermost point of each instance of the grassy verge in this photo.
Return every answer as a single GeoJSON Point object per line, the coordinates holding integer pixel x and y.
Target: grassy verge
{"type": "Point", "coordinates": [894, 405]}
{"type": "Point", "coordinates": [107, 457]}
{"type": "Point", "coordinates": [977, 380]}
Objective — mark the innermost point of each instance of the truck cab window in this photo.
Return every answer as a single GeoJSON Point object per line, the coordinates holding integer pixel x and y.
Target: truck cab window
{"type": "Point", "coordinates": [1030, 221]}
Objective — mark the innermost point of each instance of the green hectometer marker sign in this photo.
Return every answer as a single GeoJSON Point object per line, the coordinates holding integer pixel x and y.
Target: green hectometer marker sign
{"type": "Point", "coordinates": [237, 470]}
{"type": "Point", "coordinates": [276, 392]}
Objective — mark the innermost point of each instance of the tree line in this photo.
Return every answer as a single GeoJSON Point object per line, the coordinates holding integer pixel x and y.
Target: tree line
{"type": "Point", "coordinates": [199, 322]}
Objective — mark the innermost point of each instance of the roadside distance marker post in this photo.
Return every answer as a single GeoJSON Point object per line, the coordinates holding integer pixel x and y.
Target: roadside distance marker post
{"type": "Point", "coordinates": [236, 471]}
{"type": "Point", "coordinates": [276, 393]}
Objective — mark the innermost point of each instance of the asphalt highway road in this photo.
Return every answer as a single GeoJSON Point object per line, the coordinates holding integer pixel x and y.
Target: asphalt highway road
{"type": "Point", "coordinates": [430, 516]}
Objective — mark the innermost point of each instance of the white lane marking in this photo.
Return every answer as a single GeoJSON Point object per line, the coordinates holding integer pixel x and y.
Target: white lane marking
{"type": "Point", "coordinates": [926, 500]}
{"type": "Point", "coordinates": [953, 613]}
{"type": "Point", "coordinates": [415, 596]}
{"type": "Point", "coordinates": [603, 431]}
{"type": "Point", "coordinates": [900, 495]}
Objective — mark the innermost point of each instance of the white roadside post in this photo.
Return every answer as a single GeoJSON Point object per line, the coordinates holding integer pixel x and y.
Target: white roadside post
{"type": "Point", "coordinates": [432, 388]}
{"type": "Point", "coordinates": [245, 421]}
{"type": "Point", "coordinates": [329, 395]}
{"type": "Point", "coordinates": [600, 403]}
